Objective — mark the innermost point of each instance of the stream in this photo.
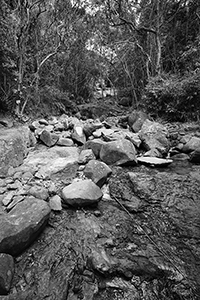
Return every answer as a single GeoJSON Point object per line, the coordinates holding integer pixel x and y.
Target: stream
{"type": "Point", "coordinates": [142, 243]}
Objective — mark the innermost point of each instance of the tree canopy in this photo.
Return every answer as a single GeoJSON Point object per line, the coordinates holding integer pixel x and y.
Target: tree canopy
{"type": "Point", "coordinates": [56, 51]}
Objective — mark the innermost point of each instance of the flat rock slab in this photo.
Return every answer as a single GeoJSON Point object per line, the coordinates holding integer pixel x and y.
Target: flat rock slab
{"type": "Point", "coordinates": [51, 161]}
{"type": "Point", "coordinates": [154, 161]}
{"type": "Point", "coordinates": [20, 227]}
{"type": "Point", "coordinates": [6, 272]}
{"type": "Point", "coordinates": [82, 193]}
{"type": "Point", "coordinates": [12, 149]}
{"type": "Point", "coordinates": [177, 194]}
{"type": "Point", "coordinates": [119, 152]}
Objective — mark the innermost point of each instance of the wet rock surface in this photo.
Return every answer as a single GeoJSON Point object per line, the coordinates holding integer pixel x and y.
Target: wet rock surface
{"type": "Point", "coordinates": [139, 241]}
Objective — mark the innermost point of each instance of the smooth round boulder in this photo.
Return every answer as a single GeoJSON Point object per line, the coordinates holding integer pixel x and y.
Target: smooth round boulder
{"type": "Point", "coordinates": [82, 193]}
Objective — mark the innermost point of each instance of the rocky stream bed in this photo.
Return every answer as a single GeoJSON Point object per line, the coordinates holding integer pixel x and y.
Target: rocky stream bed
{"type": "Point", "coordinates": [81, 218]}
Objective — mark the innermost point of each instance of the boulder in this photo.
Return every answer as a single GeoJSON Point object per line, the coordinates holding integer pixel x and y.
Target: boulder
{"type": "Point", "coordinates": [6, 272]}
{"type": "Point", "coordinates": [82, 193]}
{"type": "Point", "coordinates": [48, 138]}
{"type": "Point", "coordinates": [136, 120]}
{"type": "Point", "coordinates": [39, 192]}
{"type": "Point", "coordinates": [55, 203]}
{"type": "Point", "coordinates": [20, 227]}
{"type": "Point", "coordinates": [65, 142]}
{"type": "Point", "coordinates": [85, 156]}
{"type": "Point", "coordinates": [192, 145]}
{"type": "Point", "coordinates": [51, 161]}
{"type": "Point", "coordinates": [43, 122]}
{"type": "Point", "coordinates": [154, 135]}
{"type": "Point", "coordinates": [78, 135]}
{"type": "Point", "coordinates": [97, 171]}
{"type": "Point", "coordinates": [118, 152]}
{"type": "Point", "coordinates": [133, 138]}
{"type": "Point", "coordinates": [195, 156]}
{"type": "Point", "coordinates": [13, 148]}
{"type": "Point", "coordinates": [90, 127]}
{"type": "Point", "coordinates": [95, 145]}
{"type": "Point", "coordinates": [153, 152]}
{"type": "Point", "coordinates": [102, 131]}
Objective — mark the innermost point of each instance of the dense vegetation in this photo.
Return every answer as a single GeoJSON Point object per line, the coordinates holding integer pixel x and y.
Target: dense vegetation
{"type": "Point", "coordinates": [54, 53]}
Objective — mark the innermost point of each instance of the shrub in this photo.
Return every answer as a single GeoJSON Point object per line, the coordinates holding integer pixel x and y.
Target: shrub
{"type": "Point", "coordinates": [173, 97]}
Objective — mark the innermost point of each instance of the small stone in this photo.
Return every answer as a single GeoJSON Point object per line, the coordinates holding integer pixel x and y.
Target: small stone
{"type": "Point", "coordinates": [14, 186]}
{"type": "Point", "coordinates": [49, 128]}
{"type": "Point", "coordinates": [9, 180]}
{"type": "Point", "coordinates": [15, 201]}
{"type": "Point", "coordinates": [85, 156]}
{"type": "Point", "coordinates": [39, 192]}
{"type": "Point", "coordinates": [78, 135]}
{"type": "Point", "coordinates": [97, 213]}
{"type": "Point", "coordinates": [52, 189]}
{"type": "Point", "coordinates": [26, 177]}
{"type": "Point", "coordinates": [17, 175]}
{"type": "Point", "coordinates": [55, 203]}
{"type": "Point", "coordinates": [59, 127]}
{"type": "Point", "coordinates": [81, 168]}
{"type": "Point", "coordinates": [2, 183]}
{"type": "Point", "coordinates": [2, 190]}
{"type": "Point", "coordinates": [53, 120]}
{"type": "Point", "coordinates": [65, 142]}
{"type": "Point", "coordinates": [6, 273]}
{"type": "Point", "coordinates": [43, 122]}
{"type": "Point", "coordinates": [8, 198]}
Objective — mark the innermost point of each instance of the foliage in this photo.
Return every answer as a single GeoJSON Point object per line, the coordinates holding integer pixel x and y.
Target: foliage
{"type": "Point", "coordinates": [173, 97]}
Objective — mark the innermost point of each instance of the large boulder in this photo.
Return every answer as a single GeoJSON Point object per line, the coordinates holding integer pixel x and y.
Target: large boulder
{"type": "Point", "coordinates": [97, 171]}
{"type": "Point", "coordinates": [13, 148]}
{"type": "Point", "coordinates": [90, 127]}
{"type": "Point", "coordinates": [154, 136]}
{"type": "Point", "coordinates": [51, 161]}
{"type": "Point", "coordinates": [136, 120]}
{"type": "Point", "coordinates": [78, 135]}
{"type": "Point", "coordinates": [95, 145]}
{"type": "Point", "coordinates": [119, 152]}
{"type": "Point", "coordinates": [191, 145]}
{"type": "Point", "coordinates": [82, 193]}
{"type": "Point", "coordinates": [48, 138]}
{"type": "Point", "coordinates": [20, 227]}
